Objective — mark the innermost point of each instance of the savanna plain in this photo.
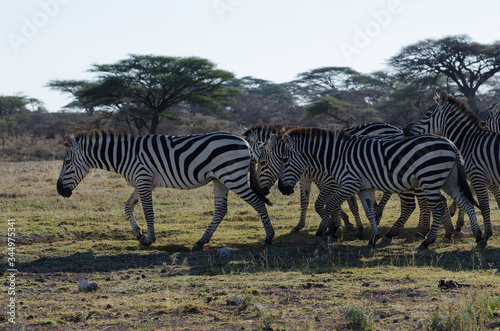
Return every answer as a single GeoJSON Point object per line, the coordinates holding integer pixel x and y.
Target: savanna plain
{"type": "Point", "coordinates": [292, 285]}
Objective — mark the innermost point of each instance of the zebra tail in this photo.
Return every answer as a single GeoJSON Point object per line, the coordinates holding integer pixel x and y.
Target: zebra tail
{"type": "Point", "coordinates": [254, 184]}
{"type": "Point", "coordinates": [464, 186]}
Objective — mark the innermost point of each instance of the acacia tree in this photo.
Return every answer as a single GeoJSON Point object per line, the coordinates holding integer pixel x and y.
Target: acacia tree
{"type": "Point", "coordinates": [146, 87]}
{"type": "Point", "coordinates": [73, 87]}
{"type": "Point", "coordinates": [466, 63]}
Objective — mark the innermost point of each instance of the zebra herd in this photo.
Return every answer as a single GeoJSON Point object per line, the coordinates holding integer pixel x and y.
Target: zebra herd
{"type": "Point", "coordinates": [437, 152]}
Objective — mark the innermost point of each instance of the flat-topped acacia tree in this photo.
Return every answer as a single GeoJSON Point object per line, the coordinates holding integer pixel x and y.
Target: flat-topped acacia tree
{"type": "Point", "coordinates": [146, 87]}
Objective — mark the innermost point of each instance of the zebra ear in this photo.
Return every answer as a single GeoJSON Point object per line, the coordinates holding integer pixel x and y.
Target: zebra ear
{"type": "Point", "coordinates": [443, 97]}
{"type": "Point", "coordinates": [243, 129]}
{"type": "Point", "coordinates": [70, 141]}
{"type": "Point", "coordinates": [288, 142]}
{"type": "Point", "coordinates": [495, 109]}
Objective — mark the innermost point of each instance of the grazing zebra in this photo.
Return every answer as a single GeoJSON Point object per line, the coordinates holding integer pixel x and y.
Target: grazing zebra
{"type": "Point", "coordinates": [183, 162]}
{"type": "Point", "coordinates": [479, 147]}
{"type": "Point", "coordinates": [256, 135]}
{"type": "Point", "coordinates": [359, 164]}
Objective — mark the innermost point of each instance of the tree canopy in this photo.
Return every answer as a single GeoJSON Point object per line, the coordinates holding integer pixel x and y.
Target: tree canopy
{"type": "Point", "coordinates": [467, 64]}
{"type": "Point", "coordinates": [146, 87]}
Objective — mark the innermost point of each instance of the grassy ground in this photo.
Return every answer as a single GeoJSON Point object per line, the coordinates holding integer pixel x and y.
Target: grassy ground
{"type": "Point", "coordinates": [293, 285]}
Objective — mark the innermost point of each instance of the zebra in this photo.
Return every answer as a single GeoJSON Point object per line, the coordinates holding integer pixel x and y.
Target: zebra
{"type": "Point", "coordinates": [262, 133]}
{"type": "Point", "coordinates": [270, 164]}
{"type": "Point", "coordinates": [452, 119]}
{"type": "Point", "coordinates": [490, 120]}
{"type": "Point", "coordinates": [258, 134]}
{"type": "Point", "coordinates": [268, 169]}
{"type": "Point", "coordinates": [359, 164]}
{"type": "Point", "coordinates": [182, 162]}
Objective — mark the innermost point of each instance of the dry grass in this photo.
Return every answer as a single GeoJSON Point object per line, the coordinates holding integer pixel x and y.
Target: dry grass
{"type": "Point", "coordinates": [293, 285]}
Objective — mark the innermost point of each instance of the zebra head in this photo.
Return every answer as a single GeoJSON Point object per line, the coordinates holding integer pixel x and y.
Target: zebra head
{"type": "Point", "coordinates": [269, 165]}
{"type": "Point", "coordinates": [74, 168]}
{"type": "Point", "coordinates": [432, 120]}
{"type": "Point", "coordinates": [491, 119]}
{"type": "Point", "coordinates": [292, 168]}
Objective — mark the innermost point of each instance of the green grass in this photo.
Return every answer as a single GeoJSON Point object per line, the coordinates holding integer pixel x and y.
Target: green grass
{"type": "Point", "coordinates": [292, 285]}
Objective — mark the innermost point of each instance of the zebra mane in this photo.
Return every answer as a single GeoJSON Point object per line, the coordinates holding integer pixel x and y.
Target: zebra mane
{"type": "Point", "coordinates": [463, 108]}
{"type": "Point", "coordinates": [100, 132]}
{"type": "Point", "coordinates": [271, 128]}
{"type": "Point", "coordinates": [313, 132]}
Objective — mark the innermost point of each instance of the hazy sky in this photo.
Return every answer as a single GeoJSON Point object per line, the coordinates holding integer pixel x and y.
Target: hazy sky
{"type": "Point", "coordinates": [43, 40]}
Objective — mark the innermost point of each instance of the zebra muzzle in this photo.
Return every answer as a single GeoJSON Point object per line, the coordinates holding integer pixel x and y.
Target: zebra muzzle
{"type": "Point", "coordinates": [64, 191]}
{"type": "Point", "coordinates": [285, 189]}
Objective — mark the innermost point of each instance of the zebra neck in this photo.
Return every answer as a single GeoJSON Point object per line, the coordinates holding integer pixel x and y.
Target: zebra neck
{"type": "Point", "coordinates": [462, 134]}
{"type": "Point", "coordinates": [110, 152]}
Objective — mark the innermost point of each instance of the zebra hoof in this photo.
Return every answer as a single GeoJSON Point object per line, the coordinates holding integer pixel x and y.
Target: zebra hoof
{"type": "Point", "coordinates": [422, 248]}
{"type": "Point", "coordinates": [458, 235]}
{"type": "Point", "coordinates": [481, 244]}
{"type": "Point", "coordinates": [268, 242]}
{"type": "Point", "coordinates": [385, 241]}
{"type": "Point", "coordinates": [143, 240]}
{"type": "Point", "coordinates": [317, 240]}
{"type": "Point", "coordinates": [196, 248]}
{"type": "Point", "coordinates": [294, 230]}
{"type": "Point", "coordinates": [349, 227]}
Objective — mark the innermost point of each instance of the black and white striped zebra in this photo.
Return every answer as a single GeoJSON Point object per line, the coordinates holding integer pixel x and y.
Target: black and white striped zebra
{"type": "Point", "coordinates": [397, 164]}
{"type": "Point", "coordinates": [480, 148]}
{"type": "Point", "coordinates": [269, 167]}
{"type": "Point", "coordinates": [257, 135]}
{"type": "Point", "coordinates": [490, 120]}
{"type": "Point", "coordinates": [183, 162]}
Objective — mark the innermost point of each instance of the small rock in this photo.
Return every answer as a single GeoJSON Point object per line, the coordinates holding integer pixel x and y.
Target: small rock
{"type": "Point", "coordinates": [92, 287]}
{"type": "Point", "coordinates": [83, 285]}
{"type": "Point", "coordinates": [236, 301]}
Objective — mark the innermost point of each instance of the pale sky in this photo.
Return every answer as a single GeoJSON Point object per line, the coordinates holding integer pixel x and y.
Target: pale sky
{"type": "Point", "coordinates": [42, 40]}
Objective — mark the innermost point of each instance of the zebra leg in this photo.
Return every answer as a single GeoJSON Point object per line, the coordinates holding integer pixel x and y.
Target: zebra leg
{"type": "Point", "coordinates": [469, 209]}
{"type": "Point", "coordinates": [481, 190]}
{"type": "Point", "coordinates": [220, 210]}
{"type": "Point", "coordinates": [335, 202]}
{"type": "Point", "coordinates": [460, 223]}
{"type": "Point", "coordinates": [379, 210]}
{"type": "Point", "coordinates": [250, 197]}
{"type": "Point", "coordinates": [353, 205]}
{"type": "Point", "coordinates": [437, 207]}
{"type": "Point", "coordinates": [407, 208]}
{"type": "Point", "coordinates": [326, 192]}
{"type": "Point", "coordinates": [145, 190]}
{"type": "Point", "coordinates": [447, 224]}
{"type": "Point", "coordinates": [367, 202]}
{"type": "Point", "coordinates": [424, 220]}
{"type": "Point", "coordinates": [129, 211]}
{"type": "Point", "coordinates": [305, 190]}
